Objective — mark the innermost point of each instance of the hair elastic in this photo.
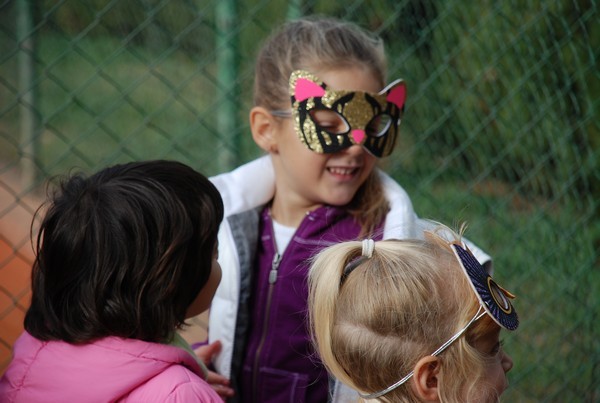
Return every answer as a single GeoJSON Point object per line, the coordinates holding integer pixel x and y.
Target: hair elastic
{"type": "Point", "coordinates": [368, 246]}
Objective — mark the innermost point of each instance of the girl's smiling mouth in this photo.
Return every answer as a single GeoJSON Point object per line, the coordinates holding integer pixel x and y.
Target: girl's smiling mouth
{"type": "Point", "coordinates": [341, 171]}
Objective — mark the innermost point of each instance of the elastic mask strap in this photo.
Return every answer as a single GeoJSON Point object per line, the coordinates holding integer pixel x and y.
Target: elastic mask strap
{"type": "Point", "coordinates": [480, 312]}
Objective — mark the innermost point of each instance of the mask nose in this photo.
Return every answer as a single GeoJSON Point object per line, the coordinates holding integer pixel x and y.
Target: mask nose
{"type": "Point", "coordinates": [358, 135]}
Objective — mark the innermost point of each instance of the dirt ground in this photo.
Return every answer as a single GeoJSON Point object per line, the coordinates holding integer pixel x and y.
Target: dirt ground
{"type": "Point", "coordinates": [16, 257]}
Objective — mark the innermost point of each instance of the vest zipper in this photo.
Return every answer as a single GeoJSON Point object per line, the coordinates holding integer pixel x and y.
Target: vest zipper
{"type": "Point", "coordinates": [274, 268]}
{"type": "Point", "coordinates": [272, 280]}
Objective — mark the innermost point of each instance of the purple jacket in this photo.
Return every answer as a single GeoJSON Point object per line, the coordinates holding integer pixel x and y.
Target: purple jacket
{"type": "Point", "coordinates": [279, 362]}
{"type": "Point", "coordinates": [108, 370]}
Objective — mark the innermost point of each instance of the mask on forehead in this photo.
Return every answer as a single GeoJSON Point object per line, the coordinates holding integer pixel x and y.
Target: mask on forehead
{"type": "Point", "coordinates": [329, 121]}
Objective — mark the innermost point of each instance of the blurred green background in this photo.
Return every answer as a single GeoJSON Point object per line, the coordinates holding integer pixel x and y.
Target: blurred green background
{"type": "Point", "coordinates": [500, 130]}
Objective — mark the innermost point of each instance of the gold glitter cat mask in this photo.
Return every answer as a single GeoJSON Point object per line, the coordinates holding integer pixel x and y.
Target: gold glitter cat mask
{"type": "Point", "coordinates": [329, 121]}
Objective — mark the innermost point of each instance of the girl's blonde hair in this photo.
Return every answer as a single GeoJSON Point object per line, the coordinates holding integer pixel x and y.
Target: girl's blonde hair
{"type": "Point", "coordinates": [396, 307]}
{"type": "Point", "coordinates": [323, 44]}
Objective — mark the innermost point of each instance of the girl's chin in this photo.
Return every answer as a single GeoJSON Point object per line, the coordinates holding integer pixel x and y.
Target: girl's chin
{"type": "Point", "coordinates": [338, 201]}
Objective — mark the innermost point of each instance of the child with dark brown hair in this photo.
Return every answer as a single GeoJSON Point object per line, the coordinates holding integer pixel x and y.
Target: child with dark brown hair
{"type": "Point", "coordinates": [123, 258]}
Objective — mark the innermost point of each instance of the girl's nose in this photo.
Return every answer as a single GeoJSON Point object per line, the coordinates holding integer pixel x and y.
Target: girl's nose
{"type": "Point", "coordinates": [507, 362]}
{"type": "Point", "coordinates": [354, 150]}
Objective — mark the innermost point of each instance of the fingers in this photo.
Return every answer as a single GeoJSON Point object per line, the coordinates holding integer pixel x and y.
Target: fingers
{"type": "Point", "coordinates": [216, 378]}
{"type": "Point", "coordinates": [220, 384]}
{"type": "Point", "coordinates": [208, 351]}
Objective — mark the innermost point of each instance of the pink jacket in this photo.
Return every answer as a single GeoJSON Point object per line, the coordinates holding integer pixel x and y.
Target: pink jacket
{"type": "Point", "coordinates": [108, 370]}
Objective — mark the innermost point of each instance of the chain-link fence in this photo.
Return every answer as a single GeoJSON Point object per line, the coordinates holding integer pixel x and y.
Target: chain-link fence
{"type": "Point", "coordinates": [501, 130]}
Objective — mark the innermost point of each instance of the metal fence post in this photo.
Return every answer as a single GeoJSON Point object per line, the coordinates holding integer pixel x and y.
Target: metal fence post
{"type": "Point", "coordinates": [227, 71]}
{"type": "Point", "coordinates": [294, 10]}
{"type": "Point", "coordinates": [29, 118]}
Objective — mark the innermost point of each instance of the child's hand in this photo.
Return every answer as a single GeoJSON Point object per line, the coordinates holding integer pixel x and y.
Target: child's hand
{"type": "Point", "coordinates": [218, 382]}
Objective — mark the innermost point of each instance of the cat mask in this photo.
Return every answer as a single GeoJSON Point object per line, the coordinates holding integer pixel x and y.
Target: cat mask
{"type": "Point", "coordinates": [493, 298]}
{"type": "Point", "coordinates": [329, 121]}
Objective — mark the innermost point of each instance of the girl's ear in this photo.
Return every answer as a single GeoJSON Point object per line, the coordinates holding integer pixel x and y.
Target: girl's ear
{"type": "Point", "coordinates": [263, 127]}
{"type": "Point", "coordinates": [425, 379]}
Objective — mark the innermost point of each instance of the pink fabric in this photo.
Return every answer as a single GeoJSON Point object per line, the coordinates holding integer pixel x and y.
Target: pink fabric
{"type": "Point", "coordinates": [307, 89]}
{"type": "Point", "coordinates": [111, 369]}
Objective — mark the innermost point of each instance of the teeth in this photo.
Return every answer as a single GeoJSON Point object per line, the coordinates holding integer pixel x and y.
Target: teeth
{"type": "Point", "coordinates": [341, 171]}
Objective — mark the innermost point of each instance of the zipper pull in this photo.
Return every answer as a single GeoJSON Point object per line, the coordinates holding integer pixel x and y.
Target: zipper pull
{"type": "Point", "coordinates": [274, 267]}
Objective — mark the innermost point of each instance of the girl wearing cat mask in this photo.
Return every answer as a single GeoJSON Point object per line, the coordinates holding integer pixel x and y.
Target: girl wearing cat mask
{"type": "Point", "coordinates": [325, 116]}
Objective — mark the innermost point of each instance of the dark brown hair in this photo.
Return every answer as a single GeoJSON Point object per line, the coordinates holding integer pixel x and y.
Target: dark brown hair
{"type": "Point", "coordinates": [123, 252]}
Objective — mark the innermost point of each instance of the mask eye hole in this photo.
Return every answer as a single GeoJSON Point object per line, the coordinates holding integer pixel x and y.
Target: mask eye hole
{"type": "Point", "coordinates": [330, 121]}
{"type": "Point", "coordinates": [379, 125]}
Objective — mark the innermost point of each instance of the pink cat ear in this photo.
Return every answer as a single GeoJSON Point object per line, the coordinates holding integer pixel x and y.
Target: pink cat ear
{"type": "Point", "coordinates": [397, 94]}
{"type": "Point", "coordinates": [306, 88]}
